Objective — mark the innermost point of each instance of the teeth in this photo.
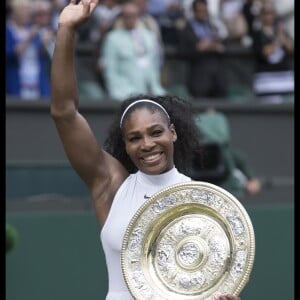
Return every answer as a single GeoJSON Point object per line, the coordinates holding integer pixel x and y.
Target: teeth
{"type": "Point", "coordinates": [151, 157]}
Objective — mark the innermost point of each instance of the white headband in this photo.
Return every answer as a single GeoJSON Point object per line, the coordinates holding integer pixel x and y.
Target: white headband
{"type": "Point", "coordinates": [138, 101]}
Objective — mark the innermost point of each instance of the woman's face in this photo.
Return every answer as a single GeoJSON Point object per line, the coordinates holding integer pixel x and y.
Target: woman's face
{"type": "Point", "coordinates": [149, 141]}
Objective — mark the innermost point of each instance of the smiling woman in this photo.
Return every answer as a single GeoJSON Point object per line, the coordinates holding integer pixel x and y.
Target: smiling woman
{"type": "Point", "coordinates": [148, 132]}
{"type": "Point", "coordinates": [147, 149]}
{"type": "Point", "coordinates": [169, 120]}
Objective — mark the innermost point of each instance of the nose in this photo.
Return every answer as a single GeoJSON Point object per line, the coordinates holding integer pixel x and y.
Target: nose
{"type": "Point", "coordinates": [147, 143]}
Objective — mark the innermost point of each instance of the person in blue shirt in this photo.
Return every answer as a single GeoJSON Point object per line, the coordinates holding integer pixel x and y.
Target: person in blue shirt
{"type": "Point", "coordinates": [27, 59]}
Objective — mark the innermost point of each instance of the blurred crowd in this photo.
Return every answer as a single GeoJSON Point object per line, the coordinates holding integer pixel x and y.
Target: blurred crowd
{"type": "Point", "coordinates": [129, 41]}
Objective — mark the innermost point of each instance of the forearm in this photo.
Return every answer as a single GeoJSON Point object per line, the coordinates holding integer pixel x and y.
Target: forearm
{"type": "Point", "coordinates": [63, 76]}
{"type": "Point", "coordinates": [242, 163]}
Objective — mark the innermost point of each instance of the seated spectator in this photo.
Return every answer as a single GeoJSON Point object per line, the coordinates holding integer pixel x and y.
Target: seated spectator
{"type": "Point", "coordinates": [27, 59]}
{"type": "Point", "coordinates": [129, 55]}
{"type": "Point", "coordinates": [234, 173]}
{"type": "Point", "coordinates": [201, 46]}
{"type": "Point", "coordinates": [274, 75]}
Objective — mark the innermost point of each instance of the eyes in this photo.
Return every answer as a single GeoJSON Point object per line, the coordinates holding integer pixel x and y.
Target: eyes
{"type": "Point", "coordinates": [136, 137]}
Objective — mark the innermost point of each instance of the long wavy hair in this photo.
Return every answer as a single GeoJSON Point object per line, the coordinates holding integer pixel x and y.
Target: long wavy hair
{"type": "Point", "coordinates": [181, 115]}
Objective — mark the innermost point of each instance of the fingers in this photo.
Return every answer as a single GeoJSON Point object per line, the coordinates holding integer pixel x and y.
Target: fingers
{"type": "Point", "coordinates": [92, 4]}
{"type": "Point", "coordinates": [86, 6]}
{"type": "Point", "coordinates": [219, 296]}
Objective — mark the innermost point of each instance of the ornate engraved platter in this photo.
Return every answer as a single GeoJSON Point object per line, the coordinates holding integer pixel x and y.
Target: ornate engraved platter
{"type": "Point", "coordinates": [188, 241]}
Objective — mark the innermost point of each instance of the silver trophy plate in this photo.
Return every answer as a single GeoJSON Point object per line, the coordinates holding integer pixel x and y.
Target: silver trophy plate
{"type": "Point", "coordinates": [188, 241]}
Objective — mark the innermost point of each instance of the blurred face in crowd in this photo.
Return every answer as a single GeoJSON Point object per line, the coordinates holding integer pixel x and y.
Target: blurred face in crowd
{"type": "Point", "coordinates": [21, 11]}
{"type": "Point", "coordinates": [268, 14]}
{"type": "Point", "coordinates": [109, 3]}
{"type": "Point", "coordinates": [201, 12]}
{"type": "Point", "coordinates": [130, 14]}
{"type": "Point", "coordinates": [42, 13]}
{"type": "Point", "coordinates": [142, 5]}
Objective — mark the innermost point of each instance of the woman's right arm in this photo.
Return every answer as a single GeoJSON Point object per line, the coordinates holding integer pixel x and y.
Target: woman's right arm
{"type": "Point", "coordinates": [100, 171]}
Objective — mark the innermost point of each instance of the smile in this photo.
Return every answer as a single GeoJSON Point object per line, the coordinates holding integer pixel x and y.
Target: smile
{"type": "Point", "coordinates": [152, 157]}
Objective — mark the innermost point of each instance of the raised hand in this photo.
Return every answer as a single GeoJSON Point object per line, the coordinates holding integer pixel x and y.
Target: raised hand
{"type": "Point", "coordinates": [73, 15]}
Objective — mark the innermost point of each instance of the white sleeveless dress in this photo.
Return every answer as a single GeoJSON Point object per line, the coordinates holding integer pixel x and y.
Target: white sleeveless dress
{"type": "Point", "coordinates": [135, 190]}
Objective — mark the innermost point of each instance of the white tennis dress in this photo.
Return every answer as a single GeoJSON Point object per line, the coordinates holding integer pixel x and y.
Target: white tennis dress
{"type": "Point", "coordinates": [135, 190]}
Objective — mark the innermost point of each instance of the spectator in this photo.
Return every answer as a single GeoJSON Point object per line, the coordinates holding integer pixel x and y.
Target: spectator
{"type": "Point", "coordinates": [200, 44]}
{"type": "Point", "coordinates": [213, 11]}
{"type": "Point", "coordinates": [274, 75]}
{"type": "Point", "coordinates": [235, 175]}
{"type": "Point", "coordinates": [42, 17]}
{"type": "Point", "coordinates": [129, 55]}
{"type": "Point", "coordinates": [147, 21]}
{"type": "Point", "coordinates": [27, 60]}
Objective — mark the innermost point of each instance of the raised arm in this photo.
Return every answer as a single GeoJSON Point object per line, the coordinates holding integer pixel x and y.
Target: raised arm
{"type": "Point", "coordinates": [100, 171]}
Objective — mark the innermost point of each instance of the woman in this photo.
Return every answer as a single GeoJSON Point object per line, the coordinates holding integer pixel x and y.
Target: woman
{"type": "Point", "coordinates": [143, 139]}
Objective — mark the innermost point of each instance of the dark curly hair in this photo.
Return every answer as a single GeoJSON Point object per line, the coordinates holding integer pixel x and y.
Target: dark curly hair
{"type": "Point", "coordinates": [181, 115]}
